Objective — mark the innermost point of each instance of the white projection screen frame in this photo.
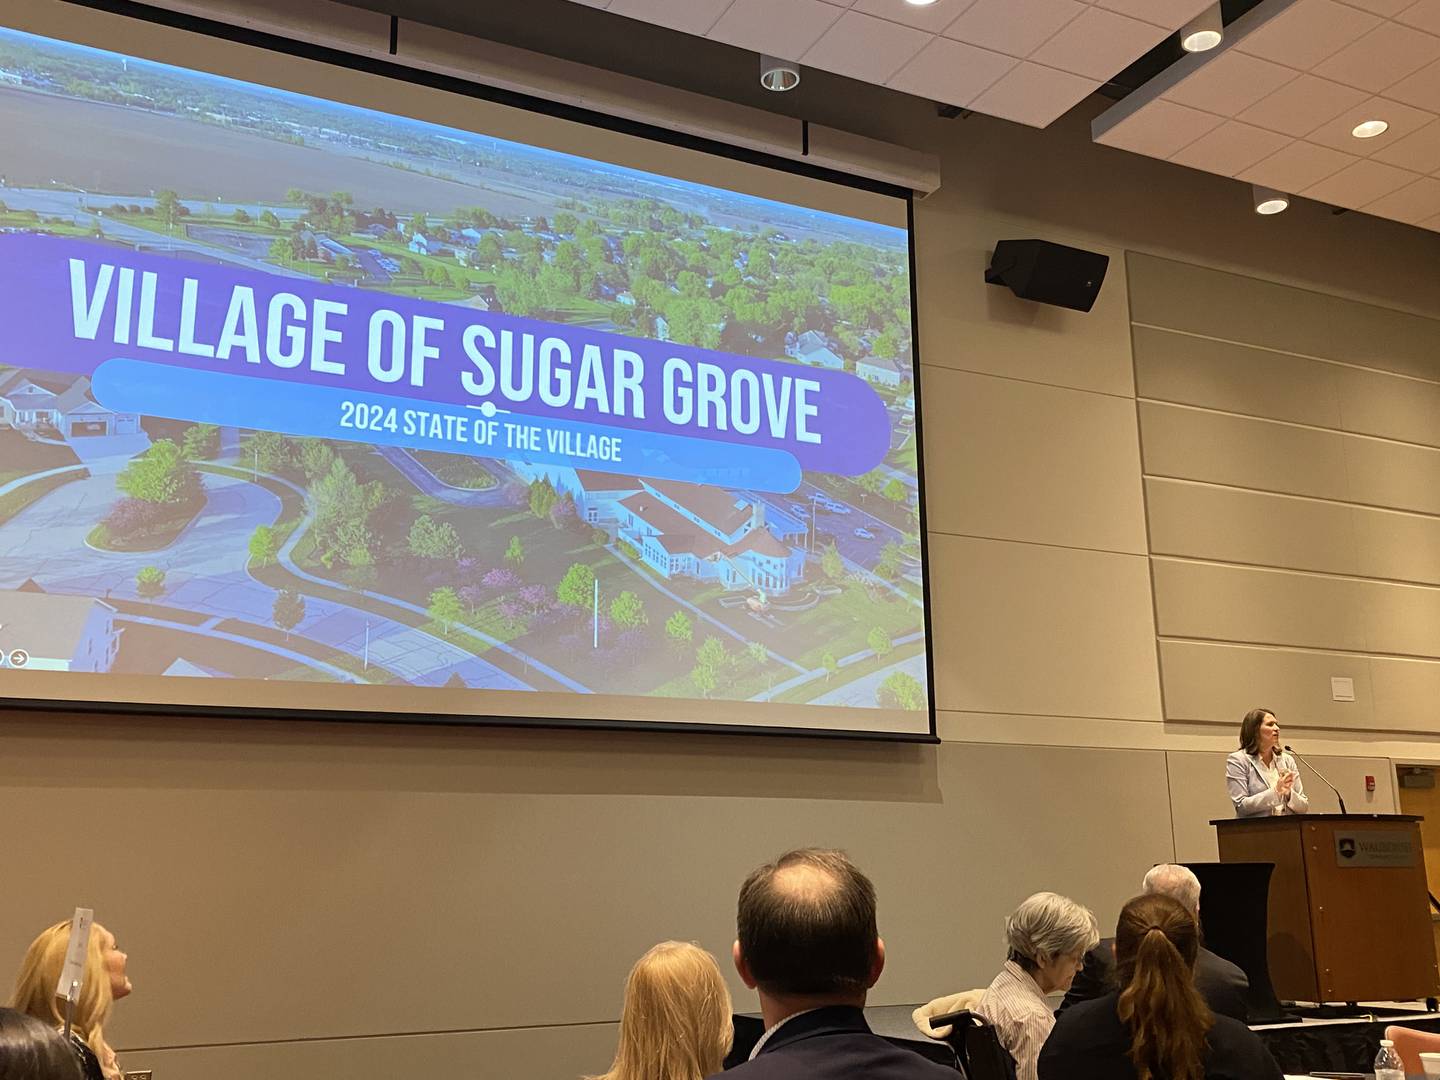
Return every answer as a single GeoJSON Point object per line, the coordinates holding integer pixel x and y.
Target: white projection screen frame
{"type": "Point", "coordinates": [553, 419]}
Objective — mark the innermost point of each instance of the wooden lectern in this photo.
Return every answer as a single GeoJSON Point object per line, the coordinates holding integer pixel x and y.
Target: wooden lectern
{"type": "Point", "coordinates": [1349, 913]}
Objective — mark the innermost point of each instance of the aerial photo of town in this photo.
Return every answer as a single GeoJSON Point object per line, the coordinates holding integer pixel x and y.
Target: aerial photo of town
{"type": "Point", "coordinates": [148, 545]}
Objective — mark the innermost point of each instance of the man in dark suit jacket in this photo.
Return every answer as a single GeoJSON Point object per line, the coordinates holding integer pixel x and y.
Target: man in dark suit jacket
{"type": "Point", "coordinates": [1224, 986]}
{"type": "Point", "coordinates": [807, 944]}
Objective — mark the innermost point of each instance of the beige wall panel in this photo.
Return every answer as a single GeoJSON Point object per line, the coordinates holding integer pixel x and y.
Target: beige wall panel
{"type": "Point", "coordinates": [990, 330]}
{"type": "Point", "coordinates": [1221, 683]}
{"type": "Point", "coordinates": [1022, 628]}
{"type": "Point", "coordinates": [1075, 455]}
{"type": "Point", "coordinates": [1254, 527]}
{"type": "Point", "coordinates": [1198, 795]}
{"type": "Point", "coordinates": [1374, 403]}
{"type": "Point", "coordinates": [1407, 693]}
{"type": "Point", "coordinates": [1401, 619]}
{"type": "Point", "coordinates": [537, 1053]}
{"type": "Point", "coordinates": [1270, 607]}
{"type": "Point", "coordinates": [1192, 370]}
{"type": "Point", "coordinates": [1393, 475]}
{"type": "Point", "coordinates": [1182, 296]}
{"type": "Point", "coordinates": [1395, 545]}
{"type": "Point", "coordinates": [380, 882]}
{"type": "Point", "coordinates": [1193, 444]}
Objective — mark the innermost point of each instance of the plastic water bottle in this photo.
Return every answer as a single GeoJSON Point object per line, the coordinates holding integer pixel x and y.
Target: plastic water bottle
{"type": "Point", "coordinates": [1387, 1062]}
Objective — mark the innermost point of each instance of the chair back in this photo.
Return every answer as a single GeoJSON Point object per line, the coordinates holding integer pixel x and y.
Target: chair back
{"type": "Point", "coordinates": [1410, 1043]}
{"type": "Point", "coordinates": [981, 1055]}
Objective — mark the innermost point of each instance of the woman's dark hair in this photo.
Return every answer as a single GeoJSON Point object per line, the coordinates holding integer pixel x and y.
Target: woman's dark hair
{"type": "Point", "coordinates": [1250, 729]}
{"type": "Point", "coordinates": [1156, 941]}
{"type": "Point", "coordinates": [29, 1050]}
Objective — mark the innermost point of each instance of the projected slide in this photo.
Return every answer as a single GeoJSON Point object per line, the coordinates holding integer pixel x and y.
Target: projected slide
{"type": "Point", "coordinates": [297, 392]}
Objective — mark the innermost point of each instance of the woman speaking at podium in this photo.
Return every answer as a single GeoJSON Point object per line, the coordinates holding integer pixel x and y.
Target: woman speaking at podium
{"type": "Point", "coordinates": [1262, 778]}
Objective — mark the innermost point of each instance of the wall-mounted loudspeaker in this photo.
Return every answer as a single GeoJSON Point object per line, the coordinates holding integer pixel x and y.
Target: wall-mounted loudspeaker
{"type": "Point", "coordinates": [1048, 273]}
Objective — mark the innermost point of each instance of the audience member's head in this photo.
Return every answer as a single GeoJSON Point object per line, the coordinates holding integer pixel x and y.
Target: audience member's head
{"type": "Point", "coordinates": [1175, 881]}
{"type": "Point", "coordinates": [806, 930]}
{"type": "Point", "coordinates": [1048, 935]}
{"type": "Point", "coordinates": [105, 981]}
{"type": "Point", "coordinates": [1156, 942]}
{"type": "Point", "coordinates": [31, 1050]}
{"type": "Point", "coordinates": [676, 1023]}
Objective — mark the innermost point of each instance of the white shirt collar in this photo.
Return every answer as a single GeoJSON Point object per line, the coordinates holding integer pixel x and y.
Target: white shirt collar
{"type": "Point", "coordinates": [771, 1031]}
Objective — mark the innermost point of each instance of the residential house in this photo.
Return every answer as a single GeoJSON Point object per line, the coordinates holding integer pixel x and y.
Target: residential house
{"type": "Point", "coordinates": [812, 348]}
{"type": "Point", "coordinates": [710, 534]}
{"type": "Point", "coordinates": [58, 633]}
{"type": "Point", "coordinates": [30, 399]}
{"type": "Point", "coordinates": [879, 371]}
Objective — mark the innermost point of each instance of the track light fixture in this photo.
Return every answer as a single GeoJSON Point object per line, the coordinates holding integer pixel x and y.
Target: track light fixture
{"type": "Point", "coordinates": [778, 75]}
{"type": "Point", "coordinates": [1203, 32]}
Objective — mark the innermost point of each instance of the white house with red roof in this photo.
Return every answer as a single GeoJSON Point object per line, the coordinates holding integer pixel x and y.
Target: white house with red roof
{"type": "Point", "coordinates": [710, 534]}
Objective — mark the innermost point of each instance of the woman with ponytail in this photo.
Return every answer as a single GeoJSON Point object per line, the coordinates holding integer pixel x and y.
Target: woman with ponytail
{"type": "Point", "coordinates": [1156, 1026]}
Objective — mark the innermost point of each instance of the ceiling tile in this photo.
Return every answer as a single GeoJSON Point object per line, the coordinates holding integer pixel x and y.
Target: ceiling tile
{"type": "Point", "coordinates": [1307, 32]}
{"type": "Point", "coordinates": [691, 16]}
{"type": "Point", "coordinates": [1035, 95]}
{"type": "Point", "coordinates": [950, 71]}
{"type": "Point", "coordinates": [1302, 105]}
{"type": "Point", "coordinates": [1421, 89]}
{"type": "Point", "coordinates": [934, 17]}
{"type": "Point", "coordinates": [1229, 84]}
{"type": "Point", "coordinates": [864, 47]}
{"type": "Point", "coordinates": [1230, 149]}
{"type": "Point", "coordinates": [1418, 151]}
{"type": "Point", "coordinates": [1160, 129]}
{"type": "Point", "coordinates": [1013, 27]}
{"type": "Point", "coordinates": [1388, 8]}
{"type": "Point", "coordinates": [1358, 184]}
{"type": "Point", "coordinates": [1099, 43]}
{"type": "Point", "coordinates": [1403, 120]}
{"type": "Point", "coordinates": [1168, 13]}
{"type": "Point", "coordinates": [1425, 15]}
{"type": "Point", "coordinates": [1297, 167]}
{"type": "Point", "coordinates": [1382, 57]}
{"type": "Point", "coordinates": [784, 28]}
{"type": "Point", "coordinates": [1412, 204]}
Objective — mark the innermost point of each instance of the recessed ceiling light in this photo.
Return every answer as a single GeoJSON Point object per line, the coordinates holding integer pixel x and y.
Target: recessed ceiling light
{"type": "Point", "coordinates": [778, 75]}
{"type": "Point", "coordinates": [919, 3]}
{"type": "Point", "coordinates": [1369, 129]}
{"type": "Point", "coordinates": [1269, 201]}
{"type": "Point", "coordinates": [1203, 32]}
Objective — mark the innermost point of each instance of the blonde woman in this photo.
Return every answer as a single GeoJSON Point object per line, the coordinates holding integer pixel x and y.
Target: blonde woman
{"type": "Point", "coordinates": [676, 1022]}
{"type": "Point", "coordinates": [105, 982]}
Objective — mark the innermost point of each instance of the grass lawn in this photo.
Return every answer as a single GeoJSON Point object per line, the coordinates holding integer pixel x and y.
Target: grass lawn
{"type": "Point", "coordinates": [840, 624]}
{"type": "Point", "coordinates": [820, 686]}
{"type": "Point", "coordinates": [158, 536]}
{"type": "Point", "coordinates": [25, 494]}
{"type": "Point", "coordinates": [21, 457]}
{"type": "Point", "coordinates": [457, 470]}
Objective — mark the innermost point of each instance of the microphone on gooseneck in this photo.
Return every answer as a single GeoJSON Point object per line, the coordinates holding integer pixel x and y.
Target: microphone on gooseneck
{"type": "Point", "coordinates": [1321, 775]}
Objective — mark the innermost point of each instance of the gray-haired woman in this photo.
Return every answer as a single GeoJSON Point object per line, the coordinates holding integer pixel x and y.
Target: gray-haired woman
{"type": "Point", "coordinates": [1047, 936]}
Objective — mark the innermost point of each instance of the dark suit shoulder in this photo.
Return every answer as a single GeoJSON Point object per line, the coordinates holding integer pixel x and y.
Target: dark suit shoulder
{"type": "Point", "coordinates": [840, 1056]}
{"type": "Point", "coordinates": [1236, 1053]}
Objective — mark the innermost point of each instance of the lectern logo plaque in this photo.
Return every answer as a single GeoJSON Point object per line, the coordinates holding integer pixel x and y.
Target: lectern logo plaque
{"type": "Point", "coordinates": [1374, 847]}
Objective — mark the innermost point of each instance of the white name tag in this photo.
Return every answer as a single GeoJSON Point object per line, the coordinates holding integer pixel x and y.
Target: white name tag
{"type": "Point", "coordinates": [72, 975]}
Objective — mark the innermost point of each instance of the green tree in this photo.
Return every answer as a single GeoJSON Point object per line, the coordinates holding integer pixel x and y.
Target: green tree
{"type": "Point", "coordinates": [879, 641]}
{"type": "Point", "coordinates": [872, 481]}
{"type": "Point", "coordinates": [316, 458]}
{"type": "Point", "coordinates": [267, 451]}
{"type": "Point", "coordinates": [289, 609]}
{"type": "Point", "coordinates": [577, 587]}
{"type": "Point", "coordinates": [830, 664]}
{"type": "Point", "coordinates": [201, 441]}
{"type": "Point", "coordinates": [431, 539]}
{"type": "Point", "coordinates": [757, 652]}
{"type": "Point", "coordinates": [901, 691]}
{"type": "Point", "coordinates": [264, 545]}
{"type": "Point", "coordinates": [679, 629]}
{"type": "Point", "coordinates": [160, 475]}
{"type": "Point", "coordinates": [342, 509]}
{"type": "Point", "coordinates": [627, 610]}
{"type": "Point", "coordinates": [241, 216]}
{"type": "Point", "coordinates": [515, 552]}
{"type": "Point", "coordinates": [296, 195]}
{"type": "Point", "coordinates": [269, 219]}
{"type": "Point", "coordinates": [705, 679]}
{"type": "Point", "coordinates": [566, 223]}
{"type": "Point", "coordinates": [542, 497]}
{"type": "Point", "coordinates": [713, 654]}
{"type": "Point", "coordinates": [149, 582]}
{"type": "Point", "coordinates": [831, 563]}
{"type": "Point", "coordinates": [891, 557]}
{"type": "Point", "coordinates": [282, 251]}
{"type": "Point", "coordinates": [168, 209]}
{"type": "Point", "coordinates": [445, 608]}
{"type": "Point", "coordinates": [895, 491]}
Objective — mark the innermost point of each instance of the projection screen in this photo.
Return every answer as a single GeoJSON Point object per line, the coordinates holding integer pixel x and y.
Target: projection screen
{"type": "Point", "coordinates": [326, 392]}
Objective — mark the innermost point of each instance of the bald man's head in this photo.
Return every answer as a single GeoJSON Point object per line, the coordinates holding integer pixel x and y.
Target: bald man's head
{"type": "Point", "coordinates": [806, 925]}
